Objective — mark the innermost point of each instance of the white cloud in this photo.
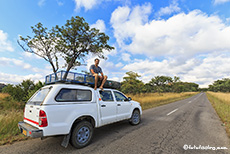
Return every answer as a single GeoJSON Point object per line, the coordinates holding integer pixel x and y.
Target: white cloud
{"type": "Point", "coordinates": [119, 64]}
{"type": "Point", "coordinates": [126, 57]}
{"type": "Point", "coordinates": [220, 1]}
{"type": "Point", "coordinates": [16, 79]}
{"type": "Point", "coordinates": [182, 34]}
{"type": "Point", "coordinates": [173, 7]}
{"type": "Point", "coordinates": [5, 44]}
{"type": "Point", "coordinates": [215, 66]}
{"type": "Point", "coordinates": [87, 4]}
{"type": "Point", "coordinates": [11, 62]}
{"type": "Point", "coordinates": [30, 55]}
{"type": "Point", "coordinates": [41, 2]}
{"type": "Point", "coordinates": [115, 79]}
{"type": "Point", "coordinates": [202, 70]}
{"type": "Point", "coordinates": [126, 22]}
{"type": "Point", "coordinates": [100, 24]}
{"type": "Point", "coordinates": [194, 45]}
{"type": "Point", "coordinates": [90, 4]}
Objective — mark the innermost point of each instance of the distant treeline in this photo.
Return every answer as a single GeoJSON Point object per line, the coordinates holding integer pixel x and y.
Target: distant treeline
{"type": "Point", "coordinates": [220, 85]}
{"type": "Point", "coordinates": [133, 85]}
{"type": "Point", "coordinates": [130, 85]}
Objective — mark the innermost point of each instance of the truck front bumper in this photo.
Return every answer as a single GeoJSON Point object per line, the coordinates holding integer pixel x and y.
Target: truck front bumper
{"type": "Point", "coordinates": [29, 130]}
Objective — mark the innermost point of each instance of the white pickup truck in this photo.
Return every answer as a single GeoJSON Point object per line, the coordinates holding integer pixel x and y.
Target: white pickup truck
{"type": "Point", "coordinates": [74, 111]}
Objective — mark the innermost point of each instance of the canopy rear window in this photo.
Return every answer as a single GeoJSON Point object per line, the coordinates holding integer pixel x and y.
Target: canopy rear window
{"type": "Point", "coordinates": [39, 96]}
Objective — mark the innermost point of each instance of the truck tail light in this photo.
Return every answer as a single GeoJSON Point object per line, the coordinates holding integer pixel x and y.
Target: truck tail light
{"type": "Point", "coordinates": [42, 119]}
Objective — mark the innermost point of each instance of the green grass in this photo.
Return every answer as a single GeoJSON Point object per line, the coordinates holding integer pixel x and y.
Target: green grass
{"type": "Point", "coordinates": [9, 131]}
{"type": "Point", "coordinates": [221, 103]}
{"type": "Point", "coordinates": [11, 113]}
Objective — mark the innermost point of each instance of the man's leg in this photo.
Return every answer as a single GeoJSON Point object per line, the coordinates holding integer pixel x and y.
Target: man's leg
{"type": "Point", "coordinates": [103, 82]}
{"type": "Point", "coordinates": [96, 79]}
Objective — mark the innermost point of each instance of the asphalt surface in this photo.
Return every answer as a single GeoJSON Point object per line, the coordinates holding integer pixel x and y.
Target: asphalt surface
{"type": "Point", "coordinates": [168, 129]}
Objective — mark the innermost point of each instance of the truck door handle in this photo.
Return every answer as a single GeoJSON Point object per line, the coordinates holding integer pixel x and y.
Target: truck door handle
{"type": "Point", "coordinates": [103, 105]}
{"type": "Point", "coordinates": [118, 104]}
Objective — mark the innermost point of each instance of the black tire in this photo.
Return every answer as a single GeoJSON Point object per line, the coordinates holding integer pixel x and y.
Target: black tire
{"type": "Point", "coordinates": [136, 118]}
{"type": "Point", "coordinates": [82, 134]}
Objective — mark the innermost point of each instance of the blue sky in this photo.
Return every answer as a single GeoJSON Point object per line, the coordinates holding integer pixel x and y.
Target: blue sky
{"type": "Point", "coordinates": [189, 39]}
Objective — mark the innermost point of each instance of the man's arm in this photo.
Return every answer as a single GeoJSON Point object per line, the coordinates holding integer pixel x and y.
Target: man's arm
{"type": "Point", "coordinates": [101, 72]}
{"type": "Point", "coordinates": [91, 70]}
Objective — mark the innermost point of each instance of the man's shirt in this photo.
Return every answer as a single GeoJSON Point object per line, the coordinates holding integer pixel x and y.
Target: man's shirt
{"type": "Point", "coordinates": [95, 69]}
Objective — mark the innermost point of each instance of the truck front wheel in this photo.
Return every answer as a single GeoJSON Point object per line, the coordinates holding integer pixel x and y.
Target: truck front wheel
{"type": "Point", "coordinates": [81, 134]}
{"type": "Point", "coordinates": [136, 118]}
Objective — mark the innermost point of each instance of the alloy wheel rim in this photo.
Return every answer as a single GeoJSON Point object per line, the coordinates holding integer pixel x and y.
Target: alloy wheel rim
{"type": "Point", "coordinates": [83, 134]}
{"type": "Point", "coordinates": [136, 118]}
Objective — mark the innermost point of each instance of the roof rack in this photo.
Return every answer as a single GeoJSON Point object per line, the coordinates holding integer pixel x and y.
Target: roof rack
{"type": "Point", "coordinates": [78, 78]}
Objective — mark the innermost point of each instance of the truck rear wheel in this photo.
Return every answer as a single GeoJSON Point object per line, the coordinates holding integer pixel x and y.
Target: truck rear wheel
{"type": "Point", "coordinates": [136, 118]}
{"type": "Point", "coordinates": [81, 134]}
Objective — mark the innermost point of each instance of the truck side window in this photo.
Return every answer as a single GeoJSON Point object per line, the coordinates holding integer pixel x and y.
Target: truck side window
{"type": "Point", "coordinates": [119, 96]}
{"type": "Point", "coordinates": [106, 95]}
{"type": "Point", "coordinates": [73, 95]}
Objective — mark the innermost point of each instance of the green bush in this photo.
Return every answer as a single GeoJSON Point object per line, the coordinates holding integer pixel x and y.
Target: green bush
{"type": "Point", "coordinates": [9, 103]}
{"type": "Point", "coordinates": [23, 91]}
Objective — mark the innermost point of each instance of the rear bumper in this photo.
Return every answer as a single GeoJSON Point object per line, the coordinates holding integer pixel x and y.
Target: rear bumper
{"type": "Point", "coordinates": [29, 130]}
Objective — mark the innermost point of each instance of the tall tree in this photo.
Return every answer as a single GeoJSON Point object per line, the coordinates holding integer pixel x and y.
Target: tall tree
{"type": "Point", "coordinates": [76, 40]}
{"type": "Point", "coordinates": [161, 83]}
{"type": "Point", "coordinates": [131, 83]}
{"type": "Point", "coordinates": [73, 42]}
{"type": "Point", "coordinates": [43, 44]}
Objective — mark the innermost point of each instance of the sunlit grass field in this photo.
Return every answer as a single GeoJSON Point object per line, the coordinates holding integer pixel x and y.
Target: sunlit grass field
{"type": "Point", "coordinates": [150, 100]}
{"type": "Point", "coordinates": [12, 112]}
{"type": "Point", "coordinates": [221, 103]}
{"type": "Point", "coordinates": [9, 131]}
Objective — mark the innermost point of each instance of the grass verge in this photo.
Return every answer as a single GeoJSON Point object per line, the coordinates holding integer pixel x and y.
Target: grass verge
{"type": "Point", "coordinates": [221, 103]}
{"type": "Point", "coordinates": [151, 100]}
{"type": "Point", "coordinates": [9, 131]}
{"type": "Point", "coordinates": [11, 113]}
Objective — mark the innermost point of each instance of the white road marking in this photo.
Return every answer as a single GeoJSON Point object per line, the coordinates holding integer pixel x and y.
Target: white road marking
{"type": "Point", "coordinates": [197, 97]}
{"type": "Point", "coordinates": [190, 102]}
{"type": "Point", "coordinates": [172, 112]}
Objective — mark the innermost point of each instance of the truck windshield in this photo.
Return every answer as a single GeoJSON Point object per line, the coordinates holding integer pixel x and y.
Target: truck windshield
{"type": "Point", "coordinates": [39, 96]}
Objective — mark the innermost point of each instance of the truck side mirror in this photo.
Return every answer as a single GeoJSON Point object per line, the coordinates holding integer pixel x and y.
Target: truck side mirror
{"type": "Point", "coordinates": [129, 99]}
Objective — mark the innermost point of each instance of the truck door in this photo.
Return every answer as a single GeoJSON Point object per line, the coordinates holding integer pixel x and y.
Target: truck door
{"type": "Point", "coordinates": [123, 106]}
{"type": "Point", "coordinates": [108, 107]}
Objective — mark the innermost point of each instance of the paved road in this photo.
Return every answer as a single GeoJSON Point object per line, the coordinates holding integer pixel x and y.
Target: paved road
{"type": "Point", "coordinates": [165, 129]}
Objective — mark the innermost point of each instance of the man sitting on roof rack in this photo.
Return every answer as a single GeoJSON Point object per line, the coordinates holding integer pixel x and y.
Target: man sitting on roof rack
{"type": "Point", "coordinates": [95, 70]}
